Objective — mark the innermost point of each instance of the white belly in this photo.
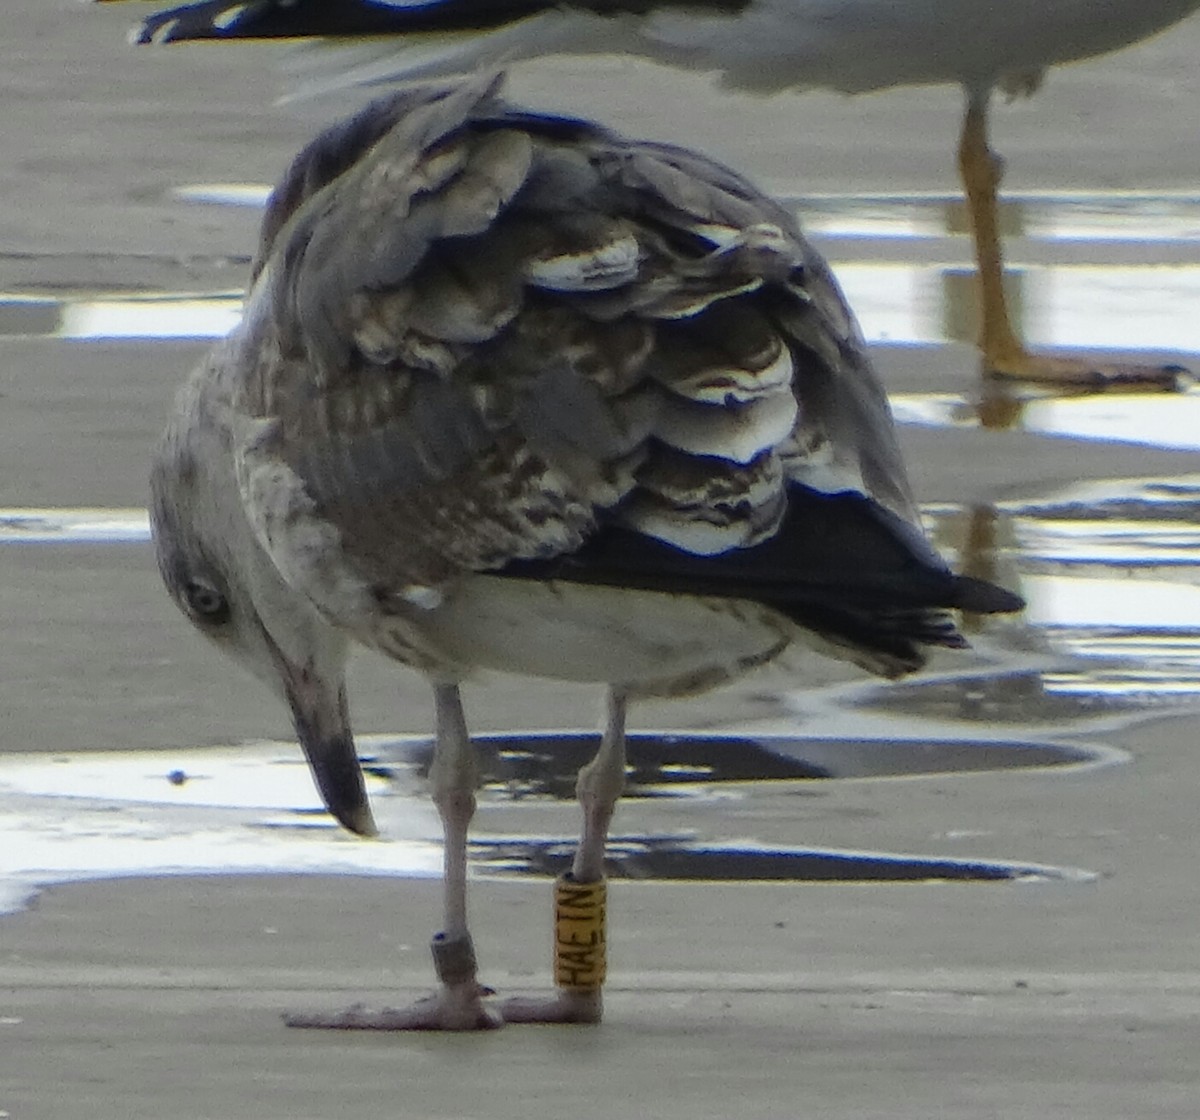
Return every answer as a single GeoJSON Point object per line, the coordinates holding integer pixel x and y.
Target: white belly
{"type": "Point", "coordinates": [648, 641]}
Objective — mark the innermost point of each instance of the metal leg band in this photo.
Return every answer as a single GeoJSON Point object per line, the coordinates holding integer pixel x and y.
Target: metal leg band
{"type": "Point", "coordinates": [579, 934]}
{"type": "Point", "coordinates": [454, 961]}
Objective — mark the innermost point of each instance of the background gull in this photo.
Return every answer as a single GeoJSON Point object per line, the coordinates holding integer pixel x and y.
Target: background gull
{"type": "Point", "coordinates": [763, 46]}
{"type": "Point", "coordinates": [512, 392]}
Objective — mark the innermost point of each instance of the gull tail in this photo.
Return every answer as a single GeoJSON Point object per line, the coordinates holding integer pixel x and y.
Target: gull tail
{"type": "Point", "coordinates": [365, 42]}
{"type": "Point", "coordinates": [841, 566]}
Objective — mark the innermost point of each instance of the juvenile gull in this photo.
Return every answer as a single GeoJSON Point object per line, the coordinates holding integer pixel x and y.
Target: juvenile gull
{"type": "Point", "coordinates": [762, 46]}
{"type": "Point", "coordinates": [513, 392]}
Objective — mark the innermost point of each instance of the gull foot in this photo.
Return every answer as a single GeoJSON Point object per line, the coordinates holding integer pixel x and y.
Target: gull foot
{"type": "Point", "coordinates": [457, 1008]}
{"type": "Point", "coordinates": [562, 1007]}
{"type": "Point", "coordinates": [1082, 373]}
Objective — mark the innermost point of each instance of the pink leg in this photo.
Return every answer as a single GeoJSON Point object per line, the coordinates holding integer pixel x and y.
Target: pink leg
{"type": "Point", "coordinates": [458, 1003]}
{"type": "Point", "coordinates": [579, 895]}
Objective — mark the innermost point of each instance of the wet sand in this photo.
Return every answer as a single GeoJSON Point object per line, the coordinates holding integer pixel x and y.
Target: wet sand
{"type": "Point", "coordinates": [161, 997]}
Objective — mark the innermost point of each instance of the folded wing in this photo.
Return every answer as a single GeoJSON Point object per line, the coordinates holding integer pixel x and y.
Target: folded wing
{"type": "Point", "coordinates": [492, 341]}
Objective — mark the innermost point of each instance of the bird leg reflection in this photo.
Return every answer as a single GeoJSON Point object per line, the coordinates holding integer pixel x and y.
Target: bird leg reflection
{"type": "Point", "coordinates": [579, 911]}
{"type": "Point", "coordinates": [458, 1003]}
{"type": "Point", "coordinates": [1004, 353]}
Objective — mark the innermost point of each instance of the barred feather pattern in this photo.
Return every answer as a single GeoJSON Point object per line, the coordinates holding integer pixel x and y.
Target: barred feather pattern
{"type": "Point", "coordinates": [479, 338]}
{"type": "Point", "coordinates": [508, 331]}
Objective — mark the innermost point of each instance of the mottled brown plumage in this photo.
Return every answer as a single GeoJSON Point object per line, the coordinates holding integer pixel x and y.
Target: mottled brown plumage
{"type": "Point", "coordinates": [481, 338]}
{"type": "Point", "coordinates": [513, 392]}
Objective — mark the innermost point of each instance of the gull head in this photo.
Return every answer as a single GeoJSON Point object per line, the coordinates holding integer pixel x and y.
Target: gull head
{"type": "Point", "coordinates": [222, 579]}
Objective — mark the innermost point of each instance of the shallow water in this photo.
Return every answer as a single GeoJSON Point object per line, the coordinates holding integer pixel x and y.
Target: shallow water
{"type": "Point", "coordinates": [73, 526]}
{"type": "Point", "coordinates": [1108, 649]}
{"type": "Point", "coordinates": [1097, 269]}
{"type": "Point", "coordinates": [253, 808]}
{"type": "Point", "coordinates": [1153, 419]}
{"type": "Point", "coordinates": [1111, 571]}
{"type": "Point", "coordinates": [101, 315]}
{"type": "Point", "coordinates": [1111, 574]}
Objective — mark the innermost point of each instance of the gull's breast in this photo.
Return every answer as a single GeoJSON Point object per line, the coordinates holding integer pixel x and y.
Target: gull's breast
{"type": "Point", "coordinates": [654, 643]}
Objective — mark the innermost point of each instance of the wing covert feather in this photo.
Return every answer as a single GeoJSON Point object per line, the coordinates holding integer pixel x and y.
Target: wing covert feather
{"type": "Point", "coordinates": [485, 336]}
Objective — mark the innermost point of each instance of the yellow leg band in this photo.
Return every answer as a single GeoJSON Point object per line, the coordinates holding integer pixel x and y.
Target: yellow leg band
{"type": "Point", "coordinates": [579, 914]}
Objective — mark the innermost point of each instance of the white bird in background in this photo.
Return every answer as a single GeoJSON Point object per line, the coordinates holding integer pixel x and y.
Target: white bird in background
{"type": "Point", "coordinates": [762, 46]}
{"type": "Point", "coordinates": [512, 392]}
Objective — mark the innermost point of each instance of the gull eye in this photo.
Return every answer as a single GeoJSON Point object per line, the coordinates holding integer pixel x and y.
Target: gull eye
{"type": "Point", "coordinates": [204, 602]}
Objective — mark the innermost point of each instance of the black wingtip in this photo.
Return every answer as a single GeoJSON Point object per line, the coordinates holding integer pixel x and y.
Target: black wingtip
{"type": "Point", "coordinates": [978, 596]}
{"type": "Point", "coordinates": [304, 19]}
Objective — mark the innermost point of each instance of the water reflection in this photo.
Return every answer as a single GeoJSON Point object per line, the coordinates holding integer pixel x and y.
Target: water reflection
{"type": "Point", "coordinates": [1110, 570]}
{"type": "Point", "coordinates": [99, 316]}
{"type": "Point", "coordinates": [69, 817]}
{"type": "Point", "coordinates": [1123, 308]}
{"type": "Point", "coordinates": [690, 764]}
{"type": "Point", "coordinates": [1133, 216]}
{"type": "Point", "coordinates": [516, 766]}
{"type": "Point", "coordinates": [652, 857]}
{"type": "Point", "coordinates": [73, 526]}
{"type": "Point", "coordinates": [1117, 307]}
{"type": "Point", "coordinates": [1117, 270]}
{"type": "Point", "coordinates": [1114, 577]}
{"type": "Point", "coordinates": [253, 808]}
{"type": "Point", "coordinates": [1114, 215]}
{"type": "Point", "coordinates": [253, 195]}
{"type": "Point", "coordinates": [1054, 698]}
{"type": "Point", "coordinates": [1167, 419]}
{"type": "Point", "coordinates": [1111, 573]}
{"type": "Point", "coordinates": [1103, 269]}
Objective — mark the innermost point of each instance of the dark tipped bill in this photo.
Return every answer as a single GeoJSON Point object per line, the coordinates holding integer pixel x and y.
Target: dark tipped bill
{"type": "Point", "coordinates": [323, 728]}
